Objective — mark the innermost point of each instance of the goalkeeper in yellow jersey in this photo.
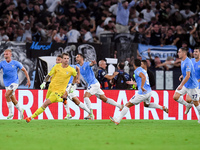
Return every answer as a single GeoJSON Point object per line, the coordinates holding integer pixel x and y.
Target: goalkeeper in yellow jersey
{"type": "Point", "coordinates": [56, 91]}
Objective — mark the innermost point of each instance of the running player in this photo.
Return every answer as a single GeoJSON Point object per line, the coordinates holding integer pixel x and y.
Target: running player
{"type": "Point", "coordinates": [143, 95]}
{"type": "Point", "coordinates": [93, 84]}
{"type": "Point", "coordinates": [61, 74]}
{"type": "Point", "coordinates": [11, 81]}
{"type": "Point", "coordinates": [189, 83]}
{"type": "Point", "coordinates": [196, 63]}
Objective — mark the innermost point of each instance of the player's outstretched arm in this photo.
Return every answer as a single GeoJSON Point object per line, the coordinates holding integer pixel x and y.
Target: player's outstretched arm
{"type": "Point", "coordinates": [93, 62]}
{"type": "Point", "coordinates": [27, 76]}
{"type": "Point", "coordinates": [43, 85]}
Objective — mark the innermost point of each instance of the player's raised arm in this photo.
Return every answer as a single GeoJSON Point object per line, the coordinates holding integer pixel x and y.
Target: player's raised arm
{"type": "Point", "coordinates": [93, 62]}
{"type": "Point", "coordinates": [27, 76]}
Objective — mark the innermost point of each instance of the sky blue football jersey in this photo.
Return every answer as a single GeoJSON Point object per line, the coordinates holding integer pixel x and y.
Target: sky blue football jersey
{"type": "Point", "coordinates": [139, 81]}
{"type": "Point", "coordinates": [87, 73]}
{"type": "Point", "coordinates": [187, 66]}
{"type": "Point", "coordinates": [196, 69]}
{"type": "Point", "coordinates": [10, 71]}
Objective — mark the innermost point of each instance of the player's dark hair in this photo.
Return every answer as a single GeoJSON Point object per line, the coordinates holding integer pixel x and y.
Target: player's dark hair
{"type": "Point", "coordinates": [137, 62]}
{"type": "Point", "coordinates": [184, 49]}
{"type": "Point", "coordinates": [145, 62]}
{"type": "Point", "coordinates": [197, 48]}
{"type": "Point", "coordinates": [64, 54]}
{"type": "Point", "coordinates": [59, 56]}
{"type": "Point", "coordinates": [81, 55]}
{"type": "Point", "coordinates": [121, 65]}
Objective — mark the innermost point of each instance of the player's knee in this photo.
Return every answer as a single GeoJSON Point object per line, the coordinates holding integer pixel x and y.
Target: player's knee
{"type": "Point", "coordinates": [146, 105]}
{"type": "Point", "coordinates": [176, 97]}
{"type": "Point", "coordinates": [8, 95]}
{"type": "Point", "coordinates": [129, 104]}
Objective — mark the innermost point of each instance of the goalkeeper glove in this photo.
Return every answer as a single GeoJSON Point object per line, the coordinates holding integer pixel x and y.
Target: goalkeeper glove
{"type": "Point", "coordinates": [73, 88]}
{"type": "Point", "coordinates": [43, 85]}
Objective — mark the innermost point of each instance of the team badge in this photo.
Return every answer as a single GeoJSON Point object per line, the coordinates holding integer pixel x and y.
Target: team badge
{"type": "Point", "coordinates": [13, 66]}
{"type": "Point", "coordinates": [67, 72]}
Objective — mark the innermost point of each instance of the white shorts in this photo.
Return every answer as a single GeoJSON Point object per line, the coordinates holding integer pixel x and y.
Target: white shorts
{"type": "Point", "coordinates": [137, 98]}
{"type": "Point", "coordinates": [70, 95]}
{"type": "Point", "coordinates": [12, 87]}
{"type": "Point", "coordinates": [193, 93]}
{"type": "Point", "coordinates": [94, 89]}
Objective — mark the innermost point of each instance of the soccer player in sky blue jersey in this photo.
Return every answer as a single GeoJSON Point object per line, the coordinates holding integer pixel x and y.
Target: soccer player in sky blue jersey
{"type": "Point", "coordinates": [143, 95]}
{"type": "Point", "coordinates": [93, 84]}
{"type": "Point", "coordinates": [189, 83]}
{"type": "Point", "coordinates": [72, 96]}
{"type": "Point", "coordinates": [196, 63]}
{"type": "Point", "coordinates": [11, 81]}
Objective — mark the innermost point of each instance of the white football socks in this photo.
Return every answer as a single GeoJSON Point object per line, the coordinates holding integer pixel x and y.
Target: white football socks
{"type": "Point", "coordinates": [81, 105]}
{"type": "Point", "coordinates": [10, 107]}
{"type": "Point", "coordinates": [88, 103]}
{"type": "Point", "coordinates": [153, 105]}
{"type": "Point", "coordinates": [67, 108]}
{"type": "Point", "coordinates": [122, 114]}
{"type": "Point", "coordinates": [112, 102]}
{"type": "Point", "coordinates": [181, 101]}
{"type": "Point", "coordinates": [18, 107]}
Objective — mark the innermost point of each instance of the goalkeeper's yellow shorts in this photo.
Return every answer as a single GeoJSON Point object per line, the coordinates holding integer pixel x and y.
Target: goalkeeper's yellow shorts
{"type": "Point", "coordinates": [54, 96]}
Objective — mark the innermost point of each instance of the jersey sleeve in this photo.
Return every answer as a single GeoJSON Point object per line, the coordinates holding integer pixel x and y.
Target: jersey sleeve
{"type": "Point", "coordinates": [19, 65]}
{"type": "Point", "coordinates": [188, 67]}
{"type": "Point", "coordinates": [74, 73]}
{"type": "Point", "coordinates": [52, 72]}
{"type": "Point", "coordinates": [138, 72]}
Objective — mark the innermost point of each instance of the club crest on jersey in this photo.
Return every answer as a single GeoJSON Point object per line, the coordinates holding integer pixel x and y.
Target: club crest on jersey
{"type": "Point", "coordinates": [67, 72]}
{"type": "Point", "coordinates": [13, 66]}
{"type": "Point", "coordinates": [83, 68]}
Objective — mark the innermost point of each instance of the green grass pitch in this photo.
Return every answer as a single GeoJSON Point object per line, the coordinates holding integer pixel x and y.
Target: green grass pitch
{"type": "Point", "coordinates": [99, 135]}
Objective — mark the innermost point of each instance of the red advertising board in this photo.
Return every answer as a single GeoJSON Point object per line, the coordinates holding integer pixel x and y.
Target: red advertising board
{"type": "Point", "coordinates": [31, 100]}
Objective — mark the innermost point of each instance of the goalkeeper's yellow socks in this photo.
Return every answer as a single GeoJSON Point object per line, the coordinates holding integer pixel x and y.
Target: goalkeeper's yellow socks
{"type": "Point", "coordinates": [37, 112]}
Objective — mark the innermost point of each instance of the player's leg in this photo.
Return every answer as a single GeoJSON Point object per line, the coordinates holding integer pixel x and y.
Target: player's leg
{"type": "Point", "coordinates": [188, 100]}
{"type": "Point", "coordinates": [9, 103]}
{"type": "Point", "coordinates": [136, 99]}
{"type": "Point", "coordinates": [16, 104]}
{"type": "Point", "coordinates": [51, 97]}
{"type": "Point", "coordinates": [153, 105]}
{"type": "Point", "coordinates": [110, 101]}
{"type": "Point", "coordinates": [100, 94]}
{"type": "Point", "coordinates": [80, 104]}
{"type": "Point", "coordinates": [66, 106]}
{"type": "Point", "coordinates": [194, 94]}
{"type": "Point", "coordinates": [178, 96]}
{"type": "Point", "coordinates": [86, 97]}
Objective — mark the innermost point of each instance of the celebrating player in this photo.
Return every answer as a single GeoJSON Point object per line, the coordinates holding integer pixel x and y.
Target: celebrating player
{"type": "Point", "coordinates": [189, 83]}
{"type": "Point", "coordinates": [93, 84]}
{"type": "Point", "coordinates": [143, 95]}
{"type": "Point", "coordinates": [11, 81]}
{"type": "Point", "coordinates": [61, 74]}
{"type": "Point", "coordinates": [196, 63]}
